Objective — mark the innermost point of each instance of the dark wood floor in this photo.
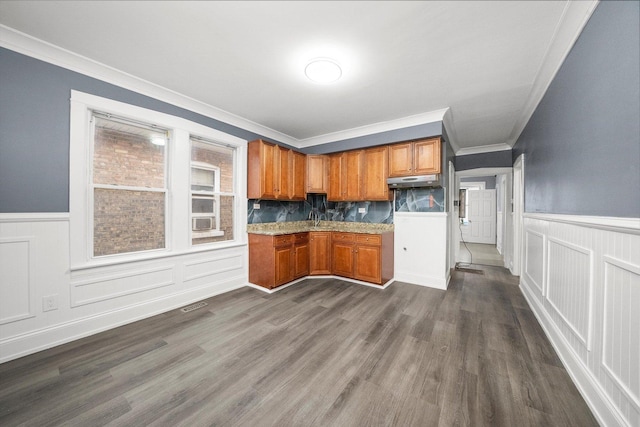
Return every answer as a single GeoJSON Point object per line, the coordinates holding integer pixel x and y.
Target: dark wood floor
{"type": "Point", "coordinates": [321, 353]}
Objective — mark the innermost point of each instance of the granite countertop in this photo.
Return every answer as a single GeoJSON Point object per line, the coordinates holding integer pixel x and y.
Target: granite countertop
{"type": "Point", "coordinates": [277, 228]}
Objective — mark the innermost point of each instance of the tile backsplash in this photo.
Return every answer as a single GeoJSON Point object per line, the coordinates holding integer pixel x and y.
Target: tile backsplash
{"type": "Point", "coordinates": [420, 200]}
{"type": "Point", "coordinates": [276, 211]}
{"type": "Point", "coordinates": [407, 200]}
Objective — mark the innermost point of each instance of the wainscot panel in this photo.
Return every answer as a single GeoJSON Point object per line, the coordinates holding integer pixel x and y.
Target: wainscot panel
{"type": "Point", "coordinates": [94, 299]}
{"type": "Point", "coordinates": [591, 286]}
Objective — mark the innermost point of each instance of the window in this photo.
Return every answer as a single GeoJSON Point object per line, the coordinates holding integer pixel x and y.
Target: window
{"type": "Point", "coordinates": [128, 182]}
{"type": "Point", "coordinates": [212, 191]}
{"type": "Point", "coordinates": [146, 185]}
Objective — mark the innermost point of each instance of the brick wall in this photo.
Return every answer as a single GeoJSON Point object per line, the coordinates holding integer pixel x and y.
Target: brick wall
{"type": "Point", "coordinates": [130, 221]}
{"type": "Point", "coordinates": [127, 221]}
{"type": "Point", "coordinates": [126, 159]}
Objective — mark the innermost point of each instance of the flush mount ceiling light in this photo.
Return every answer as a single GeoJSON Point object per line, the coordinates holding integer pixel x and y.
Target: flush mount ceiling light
{"type": "Point", "coordinates": [323, 70]}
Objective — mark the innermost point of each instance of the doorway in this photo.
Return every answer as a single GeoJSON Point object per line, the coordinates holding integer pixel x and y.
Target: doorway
{"type": "Point", "coordinates": [483, 227]}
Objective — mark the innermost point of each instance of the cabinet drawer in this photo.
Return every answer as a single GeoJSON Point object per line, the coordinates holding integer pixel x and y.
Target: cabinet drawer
{"type": "Point", "coordinates": [283, 240]}
{"type": "Point", "coordinates": [369, 239]}
{"type": "Point", "coordinates": [343, 237]}
{"type": "Point", "coordinates": [301, 237]}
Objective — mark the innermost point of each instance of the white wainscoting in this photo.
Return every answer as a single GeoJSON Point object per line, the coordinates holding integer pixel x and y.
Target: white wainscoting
{"type": "Point", "coordinates": [35, 263]}
{"type": "Point", "coordinates": [582, 280]}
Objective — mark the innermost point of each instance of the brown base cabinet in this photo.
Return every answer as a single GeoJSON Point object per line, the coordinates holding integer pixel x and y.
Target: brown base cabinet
{"type": "Point", "coordinates": [366, 257]}
{"type": "Point", "coordinates": [276, 260]}
{"type": "Point", "coordinates": [300, 255]}
{"type": "Point", "coordinates": [319, 252]}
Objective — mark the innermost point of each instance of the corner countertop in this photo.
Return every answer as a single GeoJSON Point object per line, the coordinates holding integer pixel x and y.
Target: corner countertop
{"type": "Point", "coordinates": [278, 228]}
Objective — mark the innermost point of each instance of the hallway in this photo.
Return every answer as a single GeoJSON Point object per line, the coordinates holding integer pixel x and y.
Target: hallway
{"type": "Point", "coordinates": [480, 254]}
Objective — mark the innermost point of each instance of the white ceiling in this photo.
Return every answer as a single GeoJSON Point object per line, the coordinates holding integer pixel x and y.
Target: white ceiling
{"type": "Point", "coordinates": [488, 62]}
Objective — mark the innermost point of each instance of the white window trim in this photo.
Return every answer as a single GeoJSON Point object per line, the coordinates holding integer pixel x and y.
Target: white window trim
{"type": "Point", "coordinates": [178, 238]}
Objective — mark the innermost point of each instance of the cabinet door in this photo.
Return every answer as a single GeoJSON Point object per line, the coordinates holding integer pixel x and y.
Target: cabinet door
{"type": "Point", "coordinates": [284, 268]}
{"type": "Point", "coordinates": [367, 265]}
{"type": "Point", "coordinates": [426, 156]}
{"type": "Point", "coordinates": [342, 256]}
{"type": "Point", "coordinates": [297, 176]}
{"type": "Point", "coordinates": [352, 176]}
{"type": "Point", "coordinates": [375, 174]}
{"type": "Point", "coordinates": [401, 159]}
{"type": "Point", "coordinates": [337, 168]}
{"type": "Point", "coordinates": [320, 252]}
{"type": "Point", "coordinates": [262, 173]}
{"type": "Point", "coordinates": [317, 173]}
{"type": "Point", "coordinates": [300, 260]}
{"type": "Point", "coordinates": [282, 168]}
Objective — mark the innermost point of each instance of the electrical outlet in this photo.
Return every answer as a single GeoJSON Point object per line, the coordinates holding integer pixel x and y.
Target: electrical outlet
{"type": "Point", "coordinates": [361, 210]}
{"type": "Point", "coordinates": [50, 303]}
{"type": "Point", "coordinates": [256, 206]}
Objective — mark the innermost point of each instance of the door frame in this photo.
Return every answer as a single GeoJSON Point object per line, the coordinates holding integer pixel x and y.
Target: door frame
{"type": "Point", "coordinates": [517, 212]}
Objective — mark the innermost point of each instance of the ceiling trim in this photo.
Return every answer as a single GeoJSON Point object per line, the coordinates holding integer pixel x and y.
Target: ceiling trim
{"type": "Point", "coordinates": [50, 53]}
{"type": "Point", "coordinates": [575, 16]}
{"type": "Point", "coordinates": [404, 122]}
{"type": "Point", "coordinates": [483, 149]}
{"type": "Point", "coordinates": [42, 50]}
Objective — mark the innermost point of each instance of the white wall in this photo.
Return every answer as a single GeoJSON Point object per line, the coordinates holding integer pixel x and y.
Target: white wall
{"type": "Point", "coordinates": [34, 263]}
{"type": "Point", "coordinates": [420, 248]}
{"type": "Point", "coordinates": [581, 276]}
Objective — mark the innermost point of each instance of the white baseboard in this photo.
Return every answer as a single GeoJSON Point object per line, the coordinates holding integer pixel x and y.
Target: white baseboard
{"type": "Point", "coordinates": [435, 282]}
{"type": "Point", "coordinates": [345, 279]}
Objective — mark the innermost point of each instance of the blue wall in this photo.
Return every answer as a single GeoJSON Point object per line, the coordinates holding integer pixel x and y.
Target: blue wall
{"type": "Point", "coordinates": [34, 129]}
{"type": "Point", "coordinates": [582, 144]}
{"type": "Point", "coordinates": [495, 159]}
{"type": "Point", "coordinates": [397, 135]}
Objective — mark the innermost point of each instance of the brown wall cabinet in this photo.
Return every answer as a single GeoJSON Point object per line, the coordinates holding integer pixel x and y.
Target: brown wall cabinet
{"type": "Point", "coordinates": [275, 172]}
{"type": "Point", "coordinates": [375, 174]}
{"type": "Point", "coordinates": [345, 176]}
{"type": "Point", "coordinates": [415, 158]}
{"type": "Point", "coordinates": [319, 252]}
{"type": "Point", "coordinates": [317, 173]}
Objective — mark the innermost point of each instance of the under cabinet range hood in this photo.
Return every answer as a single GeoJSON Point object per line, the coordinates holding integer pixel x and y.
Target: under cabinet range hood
{"type": "Point", "coordinates": [415, 181]}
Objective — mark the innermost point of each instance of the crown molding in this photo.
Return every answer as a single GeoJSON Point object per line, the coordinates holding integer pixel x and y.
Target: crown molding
{"type": "Point", "coordinates": [570, 25]}
{"type": "Point", "coordinates": [52, 54]}
{"type": "Point", "coordinates": [483, 149]}
{"type": "Point", "coordinates": [575, 16]}
{"type": "Point", "coordinates": [404, 122]}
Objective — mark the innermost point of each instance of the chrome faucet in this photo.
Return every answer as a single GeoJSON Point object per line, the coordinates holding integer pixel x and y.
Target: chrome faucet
{"type": "Point", "coordinates": [315, 217]}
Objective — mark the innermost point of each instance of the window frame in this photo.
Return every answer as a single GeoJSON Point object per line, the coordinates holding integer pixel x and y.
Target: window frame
{"type": "Point", "coordinates": [177, 177]}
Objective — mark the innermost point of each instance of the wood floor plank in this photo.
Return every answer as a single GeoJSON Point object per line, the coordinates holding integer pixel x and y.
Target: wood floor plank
{"type": "Point", "coordinates": [323, 352]}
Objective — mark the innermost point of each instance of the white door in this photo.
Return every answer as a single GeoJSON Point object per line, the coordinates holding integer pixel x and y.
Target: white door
{"type": "Point", "coordinates": [481, 214]}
